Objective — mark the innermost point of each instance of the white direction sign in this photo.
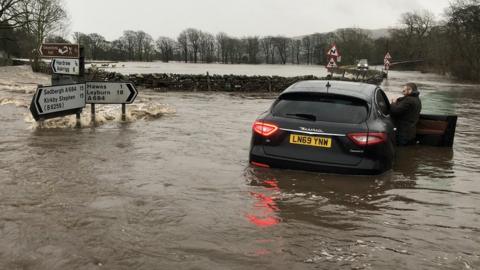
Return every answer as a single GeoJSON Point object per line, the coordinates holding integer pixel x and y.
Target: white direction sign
{"type": "Point", "coordinates": [110, 92]}
{"type": "Point", "coordinates": [60, 100]}
{"type": "Point", "coordinates": [66, 66]}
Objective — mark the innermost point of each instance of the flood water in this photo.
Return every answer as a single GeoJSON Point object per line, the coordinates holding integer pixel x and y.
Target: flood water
{"type": "Point", "coordinates": [171, 188]}
{"type": "Point", "coordinates": [220, 69]}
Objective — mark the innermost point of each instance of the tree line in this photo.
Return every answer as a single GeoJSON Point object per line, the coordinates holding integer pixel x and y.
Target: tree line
{"type": "Point", "coordinates": [450, 45]}
{"type": "Point", "coordinates": [196, 46]}
{"type": "Point", "coordinates": [25, 24]}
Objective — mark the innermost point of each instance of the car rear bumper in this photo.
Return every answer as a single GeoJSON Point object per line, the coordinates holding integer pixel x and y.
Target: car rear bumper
{"type": "Point", "coordinates": [365, 167]}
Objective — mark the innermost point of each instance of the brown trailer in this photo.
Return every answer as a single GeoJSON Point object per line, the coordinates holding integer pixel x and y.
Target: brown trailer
{"type": "Point", "coordinates": [436, 130]}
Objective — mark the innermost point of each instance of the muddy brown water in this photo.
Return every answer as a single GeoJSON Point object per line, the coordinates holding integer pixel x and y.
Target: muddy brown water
{"type": "Point", "coordinates": [172, 189]}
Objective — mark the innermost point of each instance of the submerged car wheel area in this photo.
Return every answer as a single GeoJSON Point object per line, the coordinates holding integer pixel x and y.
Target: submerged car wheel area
{"type": "Point", "coordinates": [338, 127]}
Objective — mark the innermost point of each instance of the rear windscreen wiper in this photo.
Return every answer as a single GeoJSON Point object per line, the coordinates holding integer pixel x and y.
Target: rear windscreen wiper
{"type": "Point", "coordinates": [303, 116]}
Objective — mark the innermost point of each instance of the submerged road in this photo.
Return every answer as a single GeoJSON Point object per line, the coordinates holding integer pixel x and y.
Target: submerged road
{"type": "Point", "coordinates": [172, 189]}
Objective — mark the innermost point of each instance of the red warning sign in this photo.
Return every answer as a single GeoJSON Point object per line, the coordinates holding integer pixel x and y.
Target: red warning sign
{"type": "Point", "coordinates": [331, 63]}
{"type": "Point", "coordinates": [333, 52]}
{"type": "Point", "coordinates": [386, 64]}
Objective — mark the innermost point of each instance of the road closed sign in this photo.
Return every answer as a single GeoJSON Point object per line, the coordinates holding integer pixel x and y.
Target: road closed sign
{"type": "Point", "coordinates": [55, 101]}
{"type": "Point", "coordinates": [110, 92]}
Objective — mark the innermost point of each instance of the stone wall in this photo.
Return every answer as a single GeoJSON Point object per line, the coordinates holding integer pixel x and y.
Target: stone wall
{"type": "Point", "coordinates": [227, 83]}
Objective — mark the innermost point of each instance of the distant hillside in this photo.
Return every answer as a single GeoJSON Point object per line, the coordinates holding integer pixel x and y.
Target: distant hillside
{"type": "Point", "coordinates": [378, 33]}
{"type": "Point", "coordinates": [374, 33]}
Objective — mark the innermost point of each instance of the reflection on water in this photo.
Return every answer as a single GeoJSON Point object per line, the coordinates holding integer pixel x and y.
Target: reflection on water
{"type": "Point", "coordinates": [361, 192]}
{"type": "Point", "coordinates": [265, 206]}
{"type": "Point", "coordinates": [424, 161]}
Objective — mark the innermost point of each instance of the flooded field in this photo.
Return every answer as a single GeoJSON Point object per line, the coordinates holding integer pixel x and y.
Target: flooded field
{"type": "Point", "coordinates": [171, 188]}
{"type": "Point", "coordinates": [221, 69]}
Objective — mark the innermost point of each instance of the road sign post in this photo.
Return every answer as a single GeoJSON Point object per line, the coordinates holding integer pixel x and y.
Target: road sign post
{"type": "Point", "coordinates": [59, 50]}
{"type": "Point", "coordinates": [110, 93]}
{"type": "Point", "coordinates": [333, 56]}
{"type": "Point", "coordinates": [331, 65]}
{"type": "Point", "coordinates": [79, 122]}
{"type": "Point", "coordinates": [69, 92]}
{"type": "Point", "coordinates": [67, 62]}
{"type": "Point", "coordinates": [92, 113]}
{"type": "Point", "coordinates": [66, 66]}
{"type": "Point", "coordinates": [386, 63]}
{"type": "Point", "coordinates": [124, 112]}
{"type": "Point", "coordinates": [59, 100]}
{"type": "Point", "coordinates": [81, 61]}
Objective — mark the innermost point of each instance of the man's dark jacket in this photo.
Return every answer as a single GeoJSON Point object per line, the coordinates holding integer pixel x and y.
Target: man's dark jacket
{"type": "Point", "coordinates": [405, 113]}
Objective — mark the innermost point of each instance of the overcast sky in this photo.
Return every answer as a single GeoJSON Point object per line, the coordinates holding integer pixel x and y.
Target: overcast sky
{"type": "Point", "coordinates": [238, 18]}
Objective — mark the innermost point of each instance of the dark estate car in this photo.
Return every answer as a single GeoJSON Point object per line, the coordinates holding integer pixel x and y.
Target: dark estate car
{"type": "Point", "coordinates": [339, 127]}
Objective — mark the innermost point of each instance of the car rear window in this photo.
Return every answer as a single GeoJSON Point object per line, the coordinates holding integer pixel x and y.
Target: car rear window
{"type": "Point", "coordinates": [328, 108]}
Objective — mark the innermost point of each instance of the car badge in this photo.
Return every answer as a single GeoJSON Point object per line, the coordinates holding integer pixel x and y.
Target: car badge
{"type": "Point", "coordinates": [311, 129]}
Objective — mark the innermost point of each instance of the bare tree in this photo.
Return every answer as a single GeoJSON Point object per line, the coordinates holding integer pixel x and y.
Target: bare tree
{"type": "Point", "coordinates": [166, 47]}
{"type": "Point", "coordinates": [41, 18]}
{"type": "Point", "coordinates": [118, 50]}
{"type": "Point", "coordinates": [268, 49]}
{"type": "Point", "coordinates": [307, 48]}
{"type": "Point", "coordinates": [11, 14]}
{"type": "Point", "coordinates": [295, 46]}
{"type": "Point", "coordinates": [233, 50]}
{"type": "Point", "coordinates": [147, 48]}
{"type": "Point", "coordinates": [129, 38]}
{"type": "Point", "coordinates": [193, 36]}
{"type": "Point", "coordinates": [183, 42]}
{"type": "Point", "coordinates": [9, 20]}
{"type": "Point", "coordinates": [412, 36]}
{"type": "Point", "coordinates": [143, 45]}
{"type": "Point", "coordinates": [97, 42]}
{"type": "Point", "coordinates": [207, 47]}
{"type": "Point", "coordinates": [253, 48]}
{"type": "Point", "coordinates": [319, 46]}
{"type": "Point", "coordinates": [281, 44]}
{"type": "Point", "coordinates": [355, 44]}
{"type": "Point", "coordinates": [463, 38]}
{"type": "Point", "coordinates": [418, 23]}
{"type": "Point", "coordinates": [222, 40]}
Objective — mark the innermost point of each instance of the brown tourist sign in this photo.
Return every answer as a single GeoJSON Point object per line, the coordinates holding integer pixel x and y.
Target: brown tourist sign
{"type": "Point", "coordinates": [61, 50]}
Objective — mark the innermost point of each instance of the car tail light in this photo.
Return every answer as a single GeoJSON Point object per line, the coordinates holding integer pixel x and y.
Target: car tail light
{"type": "Point", "coordinates": [258, 164]}
{"type": "Point", "coordinates": [368, 138]}
{"type": "Point", "coordinates": [264, 129]}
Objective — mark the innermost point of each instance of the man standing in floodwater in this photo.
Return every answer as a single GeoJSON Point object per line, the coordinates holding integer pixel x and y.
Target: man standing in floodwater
{"type": "Point", "coordinates": [405, 112]}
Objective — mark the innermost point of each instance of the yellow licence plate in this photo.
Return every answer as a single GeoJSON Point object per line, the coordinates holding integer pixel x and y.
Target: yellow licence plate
{"type": "Point", "coordinates": [311, 141]}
